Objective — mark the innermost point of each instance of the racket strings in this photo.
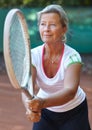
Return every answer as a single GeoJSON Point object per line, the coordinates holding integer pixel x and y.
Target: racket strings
{"type": "Point", "coordinates": [27, 59]}
{"type": "Point", "coordinates": [18, 51]}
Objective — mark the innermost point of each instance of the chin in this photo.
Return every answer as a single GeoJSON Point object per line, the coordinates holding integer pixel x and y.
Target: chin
{"type": "Point", "coordinates": [47, 41]}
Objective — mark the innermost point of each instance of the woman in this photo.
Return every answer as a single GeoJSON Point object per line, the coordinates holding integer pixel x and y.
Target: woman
{"type": "Point", "coordinates": [60, 103]}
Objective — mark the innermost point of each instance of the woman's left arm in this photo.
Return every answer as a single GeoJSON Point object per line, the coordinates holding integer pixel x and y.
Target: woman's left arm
{"type": "Point", "coordinates": [71, 83]}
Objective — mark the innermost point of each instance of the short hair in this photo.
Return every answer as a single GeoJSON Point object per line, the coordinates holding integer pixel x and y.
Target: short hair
{"type": "Point", "coordinates": [54, 9]}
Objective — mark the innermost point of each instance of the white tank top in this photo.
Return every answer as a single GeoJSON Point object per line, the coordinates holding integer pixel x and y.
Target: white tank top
{"type": "Point", "coordinates": [51, 85]}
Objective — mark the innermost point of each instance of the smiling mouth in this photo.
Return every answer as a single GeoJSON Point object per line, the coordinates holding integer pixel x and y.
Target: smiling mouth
{"type": "Point", "coordinates": [47, 35]}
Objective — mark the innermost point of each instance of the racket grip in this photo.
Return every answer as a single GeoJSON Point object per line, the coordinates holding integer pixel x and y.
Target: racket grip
{"type": "Point", "coordinates": [25, 91]}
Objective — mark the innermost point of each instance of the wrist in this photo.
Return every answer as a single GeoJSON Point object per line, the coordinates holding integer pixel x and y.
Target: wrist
{"type": "Point", "coordinates": [42, 102]}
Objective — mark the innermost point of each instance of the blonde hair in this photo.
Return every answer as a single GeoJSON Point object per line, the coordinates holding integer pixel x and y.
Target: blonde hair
{"type": "Point", "coordinates": [55, 9]}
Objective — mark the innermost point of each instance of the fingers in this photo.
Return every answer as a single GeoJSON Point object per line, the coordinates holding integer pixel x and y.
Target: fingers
{"type": "Point", "coordinates": [32, 116]}
{"type": "Point", "coordinates": [33, 109]}
{"type": "Point", "coordinates": [35, 104]}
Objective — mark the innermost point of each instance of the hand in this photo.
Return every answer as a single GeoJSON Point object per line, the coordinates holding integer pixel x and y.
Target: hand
{"type": "Point", "coordinates": [33, 116]}
{"type": "Point", "coordinates": [35, 105]}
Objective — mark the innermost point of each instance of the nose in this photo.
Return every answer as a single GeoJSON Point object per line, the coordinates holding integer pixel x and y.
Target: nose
{"type": "Point", "coordinates": [47, 28]}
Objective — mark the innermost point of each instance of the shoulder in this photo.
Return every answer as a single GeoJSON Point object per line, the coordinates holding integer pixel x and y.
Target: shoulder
{"type": "Point", "coordinates": [71, 56]}
{"type": "Point", "coordinates": [36, 54]}
{"type": "Point", "coordinates": [70, 50]}
{"type": "Point", "coordinates": [37, 49]}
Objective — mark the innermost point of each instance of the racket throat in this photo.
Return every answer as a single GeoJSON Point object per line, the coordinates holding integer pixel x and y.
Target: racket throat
{"type": "Point", "coordinates": [26, 92]}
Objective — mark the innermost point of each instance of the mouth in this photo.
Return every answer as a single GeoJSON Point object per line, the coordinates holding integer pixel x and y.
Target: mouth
{"type": "Point", "coordinates": [47, 35]}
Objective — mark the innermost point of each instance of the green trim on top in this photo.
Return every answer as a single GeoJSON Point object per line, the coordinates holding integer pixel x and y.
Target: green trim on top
{"type": "Point", "coordinates": [74, 56]}
{"type": "Point", "coordinates": [75, 63]}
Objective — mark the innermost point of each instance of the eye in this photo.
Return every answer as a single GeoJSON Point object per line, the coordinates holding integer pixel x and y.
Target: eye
{"type": "Point", "coordinates": [42, 24]}
{"type": "Point", "coordinates": [52, 25]}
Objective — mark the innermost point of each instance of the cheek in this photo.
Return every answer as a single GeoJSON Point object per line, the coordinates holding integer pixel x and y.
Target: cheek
{"type": "Point", "coordinates": [41, 34]}
{"type": "Point", "coordinates": [57, 34]}
{"type": "Point", "coordinates": [40, 31]}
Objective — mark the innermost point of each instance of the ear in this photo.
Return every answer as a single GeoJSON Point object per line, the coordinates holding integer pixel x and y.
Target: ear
{"type": "Point", "coordinates": [64, 29]}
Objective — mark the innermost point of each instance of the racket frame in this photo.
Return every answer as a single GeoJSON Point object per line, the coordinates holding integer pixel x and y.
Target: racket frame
{"type": "Point", "coordinates": [8, 62]}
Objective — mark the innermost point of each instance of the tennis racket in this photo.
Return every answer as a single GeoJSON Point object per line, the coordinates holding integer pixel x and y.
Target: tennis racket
{"type": "Point", "coordinates": [17, 55]}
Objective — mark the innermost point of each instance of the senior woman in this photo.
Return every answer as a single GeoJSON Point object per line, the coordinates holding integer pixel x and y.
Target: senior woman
{"type": "Point", "coordinates": [60, 103]}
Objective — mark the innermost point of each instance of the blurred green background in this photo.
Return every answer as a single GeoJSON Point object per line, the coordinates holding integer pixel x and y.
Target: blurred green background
{"type": "Point", "coordinates": [79, 35]}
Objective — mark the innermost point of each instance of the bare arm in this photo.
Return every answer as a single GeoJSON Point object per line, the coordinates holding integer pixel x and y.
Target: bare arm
{"type": "Point", "coordinates": [31, 115]}
{"type": "Point", "coordinates": [71, 82]}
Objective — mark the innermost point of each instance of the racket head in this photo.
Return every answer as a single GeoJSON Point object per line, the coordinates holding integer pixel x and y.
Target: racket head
{"type": "Point", "coordinates": [17, 54]}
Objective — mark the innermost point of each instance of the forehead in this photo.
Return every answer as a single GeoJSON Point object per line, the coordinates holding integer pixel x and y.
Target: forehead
{"type": "Point", "coordinates": [50, 17]}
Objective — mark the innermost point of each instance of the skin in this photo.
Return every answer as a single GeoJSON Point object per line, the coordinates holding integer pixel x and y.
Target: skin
{"type": "Point", "coordinates": [51, 32]}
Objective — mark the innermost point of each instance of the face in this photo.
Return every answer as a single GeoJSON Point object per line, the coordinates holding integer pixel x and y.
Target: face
{"type": "Point", "coordinates": [50, 28]}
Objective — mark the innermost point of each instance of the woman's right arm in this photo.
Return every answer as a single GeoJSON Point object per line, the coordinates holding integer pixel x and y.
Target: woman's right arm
{"type": "Point", "coordinates": [32, 116]}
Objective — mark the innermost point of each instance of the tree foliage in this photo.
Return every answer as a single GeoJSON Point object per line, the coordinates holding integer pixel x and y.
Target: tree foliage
{"type": "Point", "coordinates": [41, 3]}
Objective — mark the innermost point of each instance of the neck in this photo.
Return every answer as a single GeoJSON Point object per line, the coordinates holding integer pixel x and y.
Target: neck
{"type": "Point", "coordinates": [53, 54]}
{"type": "Point", "coordinates": [53, 49]}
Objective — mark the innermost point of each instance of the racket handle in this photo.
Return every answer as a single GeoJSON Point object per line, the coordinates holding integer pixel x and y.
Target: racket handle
{"type": "Point", "coordinates": [25, 91]}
